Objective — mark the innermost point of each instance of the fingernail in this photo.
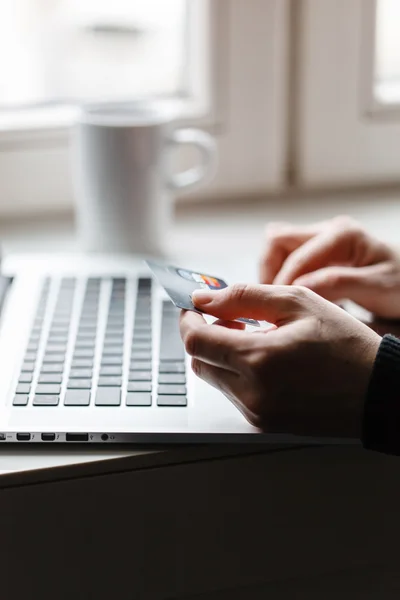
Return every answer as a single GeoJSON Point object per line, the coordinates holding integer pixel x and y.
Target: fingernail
{"type": "Point", "coordinates": [202, 297]}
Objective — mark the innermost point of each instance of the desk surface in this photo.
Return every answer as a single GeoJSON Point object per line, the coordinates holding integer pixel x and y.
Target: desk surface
{"type": "Point", "coordinates": [206, 238]}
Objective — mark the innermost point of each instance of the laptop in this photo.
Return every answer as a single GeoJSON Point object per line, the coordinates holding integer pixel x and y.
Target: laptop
{"type": "Point", "coordinates": [90, 352]}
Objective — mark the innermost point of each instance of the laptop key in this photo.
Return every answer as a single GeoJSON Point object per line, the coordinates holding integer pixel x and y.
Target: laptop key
{"type": "Point", "coordinates": [142, 303]}
{"type": "Point", "coordinates": [58, 339]}
{"type": "Point", "coordinates": [172, 390]}
{"type": "Point", "coordinates": [110, 381]}
{"type": "Point", "coordinates": [77, 398]}
{"type": "Point", "coordinates": [139, 346]}
{"type": "Point", "coordinates": [113, 340]}
{"type": "Point", "coordinates": [89, 317]}
{"type": "Point", "coordinates": [87, 344]}
{"type": "Point", "coordinates": [141, 337]}
{"type": "Point", "coordinates": [82, 363]}
{"type": "Point", "coordinates": [142, 330]}
{"type": "Point", "coordinates": [51, 378]}
{"type": "Point", "coordinates": [114, 331]}
{"type": "Point", "coordinates": [83, 353]}
{"type": "Point", "coordinates": [55, 348]}
{"type": "Point", "coordinates": [138, 399]}
{"type": "Point", "coordinates": [83, 328]}
{"type": "Point", "coordinates": [139, 386]}
{"type": "Point", "coordinates": [52, 368]}
{"type": "Point", "coordinates": [43, 400]}
{"type": "Point", "coordinates": [111, 371]}
{"type": "Point", "coordinates": [141, 355]}
{"type": "Point", "coordinates": [171, 401]}
{"type": "Point", "coordinates": [59, 330]}
{"type": "Point", "coordinates": [20, 400]}
{"type": "Point", "coordinates": [61, 320]}
{"type": "Point", "coordinates": [79, 384]}
{"type": "Point", "coordinates": [28, 366]}
{"type": "Point", "coordinates": [109, 350]}
{"type": "Point", "coordinates": [143, 320]}
{"type": "Point", "coordinates": [140, 376]}
{"type": "Point", "coordinates": [171, 367]}
{"type": "Point", "coordinates": [48, 388]}
{"type": "Point", "coordinates": [32, 347]}
{"type": "Point", "coordinates": [25, 378]}
{"type": "Point", "coordinates": [111, 360]}
{"type": "Point", "coordinates": [171, 346]}
{"type": "Point", "coordinates": [54, 358]}
{"type": "Point", "coordinates": [23, 388]}
{"type": "Point", "coordinates": [80, 374]}
{"type": "Point", "coordinates": [171, 378]}
{"type": "Point", "coordinates": [173, 351]}
{"type": "Point", "coordinates": [84, 335]}
{"type": "Point", "coordinates": [108, 396]}
{"type": "Point", "coordinates": [140, 366]}
{"type": "Point", "coordinates": [116, 321]}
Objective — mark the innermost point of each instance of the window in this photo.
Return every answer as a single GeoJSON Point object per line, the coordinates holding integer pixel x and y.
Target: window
{"type": "Point", "coordinates": [226, 59]}
{"type": "Point", "coordinates": [387, 52]}
{"type": "Point", "coordinates": [67, 50]}
{"type": "Point", "coordinates": [300, 93]}
{"type": "Point", "coordinates": [347, 130]}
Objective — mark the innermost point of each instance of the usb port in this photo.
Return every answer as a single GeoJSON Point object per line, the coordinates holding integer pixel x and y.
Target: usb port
{"type": "Point", "coordinates": [23, 437]}
{"type": "Point", "coordinates": [48, 437]}
{"type": "Point", "coordinates": [2, 437]}
{"type": "Point", "coordinates": [77, 437]}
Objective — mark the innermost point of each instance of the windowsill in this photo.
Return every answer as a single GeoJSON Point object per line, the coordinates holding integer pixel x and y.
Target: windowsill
{"type": "Point", "coordinates": [201, 232]}
{"type": "Point", "coordinates": [45, 122]}
{"type": "Point", "coordinates": [38, 119]}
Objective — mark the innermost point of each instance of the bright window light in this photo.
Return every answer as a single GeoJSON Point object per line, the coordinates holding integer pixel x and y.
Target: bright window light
{"type": "Point", "coordinates": [387, 52]}
{"type": "Point", "coordinates": [66, 51]}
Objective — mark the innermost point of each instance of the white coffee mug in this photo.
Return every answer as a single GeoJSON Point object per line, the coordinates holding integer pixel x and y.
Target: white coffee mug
{"type": "Point", "coordinates": [122, 172]}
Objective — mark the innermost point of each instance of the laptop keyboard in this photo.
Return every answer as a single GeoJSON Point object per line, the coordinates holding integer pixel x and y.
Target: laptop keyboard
{"type": "Point", "coordinates": [87, 348]}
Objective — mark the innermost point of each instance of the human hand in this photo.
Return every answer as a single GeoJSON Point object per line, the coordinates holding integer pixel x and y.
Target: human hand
{"type": "Point", "coordinates": [338, 260]}
{"type": "Point", "coordinates": [307, 376]}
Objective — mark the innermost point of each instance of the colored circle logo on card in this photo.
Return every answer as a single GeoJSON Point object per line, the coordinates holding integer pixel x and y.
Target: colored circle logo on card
{"type": "Point", "coordinates": [213, 283]}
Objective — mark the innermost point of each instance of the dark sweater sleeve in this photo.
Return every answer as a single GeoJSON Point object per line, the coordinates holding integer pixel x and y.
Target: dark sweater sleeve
{"type": "Point", "coordinates": [381, 420]}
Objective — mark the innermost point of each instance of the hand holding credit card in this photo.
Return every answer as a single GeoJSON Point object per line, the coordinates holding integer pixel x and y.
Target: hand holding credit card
{"type": "Point", "coordinates": [181, 283]}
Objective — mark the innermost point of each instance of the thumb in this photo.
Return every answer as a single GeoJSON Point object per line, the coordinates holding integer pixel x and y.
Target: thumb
{"type": "Point", "coordinates": [274, 303]}
{"type": "Point", "coordinates": [338, 283]}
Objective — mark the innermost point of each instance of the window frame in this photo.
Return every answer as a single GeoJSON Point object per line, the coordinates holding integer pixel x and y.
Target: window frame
{"type": "Point", "coordinates": [240, 97]}
{"type": "Point", "coordinates": [373, 108]}
{"type": "Point", "coordinates": [343, 135]}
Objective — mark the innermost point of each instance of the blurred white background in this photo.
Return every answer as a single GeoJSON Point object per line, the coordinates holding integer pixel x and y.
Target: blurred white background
{"type": "Point", "coordinates": [300, 94]}
{"type": "Point", "coordinates": [387, 70]}
{"type": "Point", "coordinates": [68, 50]}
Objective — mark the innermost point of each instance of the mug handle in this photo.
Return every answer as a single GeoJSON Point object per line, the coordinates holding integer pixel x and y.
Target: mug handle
{"type": "Point", "coordinates": [206, 170]}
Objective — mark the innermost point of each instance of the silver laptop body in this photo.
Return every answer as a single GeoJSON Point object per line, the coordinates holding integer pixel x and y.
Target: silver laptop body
{"type": "Point", "coordinates": [90, 353]}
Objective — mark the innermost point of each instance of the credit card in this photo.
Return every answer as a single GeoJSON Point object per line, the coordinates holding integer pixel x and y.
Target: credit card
{"type": "Point", "coordinates": [181, 283]}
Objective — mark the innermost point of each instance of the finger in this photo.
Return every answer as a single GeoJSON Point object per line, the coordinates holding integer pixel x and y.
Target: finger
{"type": "Point", "coordinates": [215, 345]}
{"type": "Point", "coordinates": [281, 240]}
{"type": "Point", "coordinates": [230, 324]}
{"type": "Point", "coordinates": [197, 319]}
{"type": "Point", "coordinates": [223, 379]}
{"type": "Point", "coordinates": [320, 251]}
{"type": "Point", "coordinates": [351, 283]}
{"type": "Point", "coordinates": [276, 304]}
